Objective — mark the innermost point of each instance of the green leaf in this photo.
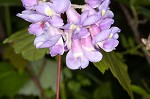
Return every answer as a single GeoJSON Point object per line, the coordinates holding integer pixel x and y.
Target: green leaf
{"type": "Point", "coordinates": [10, 80]}
{"type": "Point", "coordinates": [15, 59]}
{"type": "Point", "coordinates": [23, 43]}
{"type": "Point", "coordinates": [102, 66]}
{"type": "Point", "coordinates": [141, 91]}
{"type": "Point", "coordinates": [118, 69]}
{"type": "Point", "coordinates": [47, 77]}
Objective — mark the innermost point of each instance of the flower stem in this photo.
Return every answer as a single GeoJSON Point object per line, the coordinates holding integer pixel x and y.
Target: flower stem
{"type": "Point", "coordinates": [58, 77]}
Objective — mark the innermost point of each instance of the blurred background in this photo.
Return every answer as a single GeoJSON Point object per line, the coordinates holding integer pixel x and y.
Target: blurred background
{"type": "Point", "coordinates": [30, 73]}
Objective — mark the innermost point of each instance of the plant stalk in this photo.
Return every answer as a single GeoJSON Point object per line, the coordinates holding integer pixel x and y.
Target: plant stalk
{"type": "Point", "coordinates": [58, 77]}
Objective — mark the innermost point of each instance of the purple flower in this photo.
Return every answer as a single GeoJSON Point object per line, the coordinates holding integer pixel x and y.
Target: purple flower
{"type": "Point", "coordinates": [39, 18]}
{"type": "Point", "coordinates": [107, 39]}
{"type": "Point", "coordinates": [75, 58]}
{"type": "Point", "coordinates": [31, 16]}
{"type": "Point", "coordinates": [105, 24]}
{"type": "Point", "coordinates": [77, 20]}
{"type": "Point", "coordinates": [60, 6]}
{"type": "Point", "coordinates": [81, 52]}
{"type": "Point", "coordinates": [104, 7]}
{"type": "Point", "coordinates": [102, 25]}
{"type": "Point", "coordinates": [46, 12]}
{"type": "Point", "coordinates": [93, 3]}
{"type": "Point", "coordinates": [94, 30]}
{"type": "Point", "coordinates": [36, 28]}
{"type": "Point", "coordinates": [83, 34]}
{"type": "Point", "coordinates": [78, 23]}
{"type": "Point", "coordinates": [58, 48]}
{"type": "Point", "coordinates": [90, 9]}
{"type": "Point", "coordinates": [89, 51]}
{"type": "Point", "coordinates": [28, 4]}
{"type": "Point", "coordinates": [101, 6]}
{"type": "Point", "coordinates": [48, 39]}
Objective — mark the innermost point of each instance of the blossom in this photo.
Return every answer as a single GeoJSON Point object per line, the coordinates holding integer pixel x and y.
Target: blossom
{"type": "Point", "coordinates": [89, 51]}
{"type": "Point", "coordinates": [93, 3]}
{"type": "Point", "coordinates": [75, 58]}
{"type": "Point", "coordinates": [82, 51]}
{"type": "Point", "coordinates": [58, 48]}
{"type": "Point", "coordinates": [45, 12]}
{"type": "Point", "coordinates": [78, 23]}
{"type": "Point", "coordinates": [45, 18]}
{"type": "Point", "coordinates": [48, 38]}
{"type": "Point", "coordinates": [60, 6]}
{"type": "Point", "coordinates": [36, 28]}
{"type": "Point", "coordinates": [107, 39]}
{"type": "Point", "coordinates": [81, 36]}
{"type": "Point", "coordinates": [28, 4]}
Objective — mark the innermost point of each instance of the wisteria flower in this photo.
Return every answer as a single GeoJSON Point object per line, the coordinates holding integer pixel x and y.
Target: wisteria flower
{"type": "Point", "coordinates": [75, 58]}
{"type": "Point", "coordinates": [78, 23]}
{"type": "Point", "coordinates": [82, 34]}
{"type": "Point", "coordinates": [93, 3]}
{"type": "Point", "coordinates": [89, 51]}
{"type": "Point", "coordinates": [29, 4]}
{"type": "Point", "coordinates": [45, 12]}
{"type": "Point", "coordinates": [82, 51]}
{"type": "Point", "coordinates": [107, 39]}
{"type": "Point", "coordinates": [58, 48]}
{"type": "Point", "coordinates": [48, 39]}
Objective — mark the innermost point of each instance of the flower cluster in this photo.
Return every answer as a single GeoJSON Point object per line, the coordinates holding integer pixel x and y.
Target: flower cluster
{"type": "Point", "coordinates": [82, 35]}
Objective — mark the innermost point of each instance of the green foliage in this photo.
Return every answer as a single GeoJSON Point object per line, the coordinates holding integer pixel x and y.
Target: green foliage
{"type": "Point", "coordinates": [10, 80]}
{"type": "Point", "coordinates": [103, 92]}
{"type": "Point", "coordinates": [118, 69]}
{"type": "Point", "coordinates": [47, 77]}
{"type": "Point", "coordinates": [17, 61]}
{"type": "Point", "coordinates": [67, 73]}
{"type": "Point", "coordinates": [102, 66]}
{"type": "Point", "coordinates": [141, 91]}
{"type": "Point", "coordinates": [74, 86]}
{"type": "Point", "coordinates": [22, 43]}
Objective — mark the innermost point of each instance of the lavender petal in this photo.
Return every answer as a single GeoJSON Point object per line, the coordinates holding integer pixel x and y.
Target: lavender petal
{"type": "Point", "coordinates": [43, 41]}
{"type": "Point", "coordinates": [56, 21]}
{"type": "Point", "coordinates": [76, 63]}
{"type": "Point", "coordinates": [102, 36]}
{"type": "Point", "coordinates": [60, 6]}
{"type": "Point", "coordinates": [110, 45]}
{"type": "Point", "coordinates": [106, 24]}
{"type": "Point", "coordinates": [92, 20]}
{"type": "Point", "coordinates": [72, 15]}
{"type": "Point", "coordinates": [33, 18]}
{"type": "Point", "coordinates": [36, 29]}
